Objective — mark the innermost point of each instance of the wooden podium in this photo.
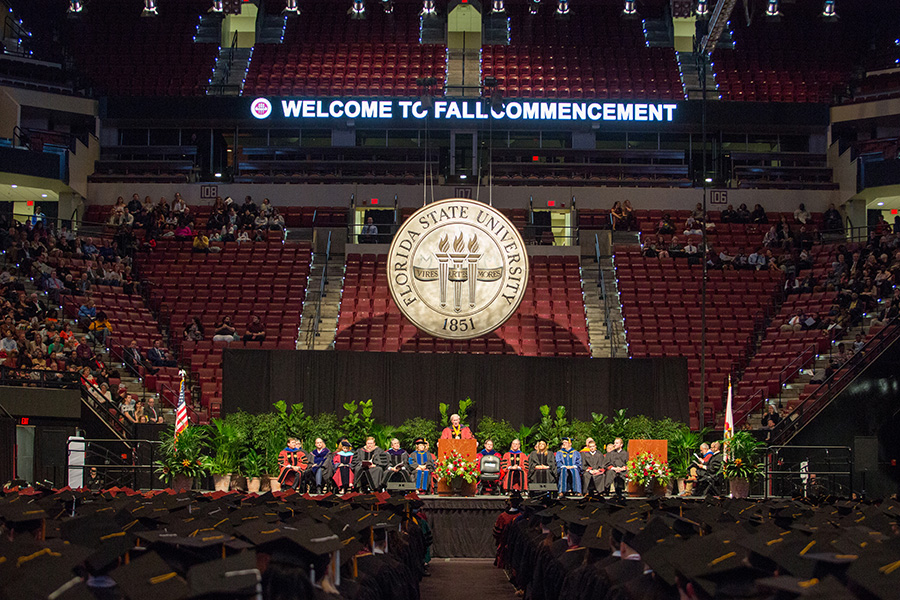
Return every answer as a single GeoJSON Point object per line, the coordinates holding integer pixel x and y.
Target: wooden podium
{"type": "Point", "coordinates": [467, 449]}
{"type": "Point", "coordinates": [658, 448]}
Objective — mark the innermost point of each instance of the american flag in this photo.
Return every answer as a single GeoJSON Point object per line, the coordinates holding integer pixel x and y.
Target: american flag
{"type": "Point", "coordinates": [729, 418]}
{"type": "Point", "coordinates": [181, 418]}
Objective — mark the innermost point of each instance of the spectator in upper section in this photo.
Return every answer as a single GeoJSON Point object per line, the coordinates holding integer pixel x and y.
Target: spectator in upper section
{"type": "Point", "coordinates": [265, 209]}
{"type": "Point", "coordinates": [698, 214]}
{"type": "Point", "coordinates": [100, 328]}
{"type": "Point", "coordinates": [201, 242]}
{"type": "Point", "coordinates": [134, 358]}
{"type": "Point", "coordinates": [729, 215]}
{"type": "Point", "coordinates": [617, 216]}
{"type": "Point", "coordinates": [801, 215]}
{"type": "Point", "coordinates": [832, 220]}
{"type": "Point", "coordinates": [276, 220]}
{"type": "Point", "coordinates": [743, 215]}
{"type": "Point", "coordinates": [261, 222]}
{"type": "Point", "coordinates": [134, 205]}
{"type": "Point", "coordinates": [224, 331]}
{"type": "Point", "coordinates": [629, 218]}
{"type": "Point", "coordinates": [193, 330]}
{"type": "Point", "coordinates": [178, 205]}
{"type": "Point", "coordinates": [159, 356]}
{"type": "Point", "coordinates": [249, 207]}
{"type": "Point", "coordinates": [88, 248]}
{"type": "Point", "coordinates": [665, 226]}
{"type": "Point", "coordinates": [693, 226]}
{"type": "Point", "coordinates": [86, 313]}
{"type": "Point", "coordinates": [256, 331]}
{"type": "Point", "coordinates": [84, 355]}
{"type": "Point", "coordinates": [758, 215]}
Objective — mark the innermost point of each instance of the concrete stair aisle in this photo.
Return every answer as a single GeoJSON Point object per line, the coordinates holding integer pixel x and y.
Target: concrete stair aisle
{"type": "Point", "coordinates": [328, 308]}
{"type": "Point", "coordinates": [230, 71]}
{"type": "Point", "coordinates": [602, 343]}
{"type": "Point", "coordinates": [690, 78]}
{"type": "Point", "coordinates": [134, 384]}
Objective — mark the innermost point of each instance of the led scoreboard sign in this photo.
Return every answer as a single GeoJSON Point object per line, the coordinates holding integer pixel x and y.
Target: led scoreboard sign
{"type": "Point", "coordinates": [462, 110]}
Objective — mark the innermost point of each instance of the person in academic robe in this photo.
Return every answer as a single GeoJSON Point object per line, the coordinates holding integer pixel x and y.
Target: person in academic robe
{"type": "Point", "coordinates": [710, 472]}
{"type": "Point", "coordinates": [616, 467]}
{"type": "Point", "coordinates": [515, 468]}
{"type": "Point", "coordinates": [422, 464]}
{"type": "Point", "coordinates": [541, 465]}
{"type": "Point", "coordinates": [489, 486]}
{"type": "Point", "coordinates": [320, 465]}
{"type": "Point", "coordinates": [293, 463]}
{"type": "Point", "coordinates": [594, 464]}
{"type": "Point", "coordinates": [367, 470]}
{"type": "Point", "coordinates": [396, 465]}
{"type": "Point", "coordinates": [456, 431]}
{"type": "Point", "coordinates": [568, 465]}
{"type": "Point", "coordinates": [342, 466]}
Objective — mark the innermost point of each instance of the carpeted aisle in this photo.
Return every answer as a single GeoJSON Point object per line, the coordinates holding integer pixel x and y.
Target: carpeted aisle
{"type": "Point", "coordinates": [455, 578]}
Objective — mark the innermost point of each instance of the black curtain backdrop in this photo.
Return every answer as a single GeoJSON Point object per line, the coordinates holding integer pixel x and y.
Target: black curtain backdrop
{"type": "Point", "coordinates": [7, 449]}
{"type": "Point", "coordinates": [406, 385]}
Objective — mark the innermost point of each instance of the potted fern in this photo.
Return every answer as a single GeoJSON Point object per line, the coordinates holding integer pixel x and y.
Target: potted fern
{"type": "Point", "coordinates": [181, 461]}
{"type": "Point", "coordinates": [744, 462]}
{"type": "Point", "coordinates": [225, 458]}
{"type": "Point", "coordinates": [253, 465]}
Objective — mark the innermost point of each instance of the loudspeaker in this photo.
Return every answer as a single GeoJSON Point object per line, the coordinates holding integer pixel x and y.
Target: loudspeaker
{"type": "Point", "coordinates": [541, 487]}
{"type": "Point", "coordinates": [400, 486]}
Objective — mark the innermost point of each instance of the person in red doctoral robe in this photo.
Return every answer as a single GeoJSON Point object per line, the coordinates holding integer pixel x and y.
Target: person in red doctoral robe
{"type": "Point", "coordinates": [343, 470]}
{"type": "Point", "coordinates": [515, 468]}
{"type": "Point", "coordinates": [456, 431]}
{"type": "Point", "coordinates": [293, 463]}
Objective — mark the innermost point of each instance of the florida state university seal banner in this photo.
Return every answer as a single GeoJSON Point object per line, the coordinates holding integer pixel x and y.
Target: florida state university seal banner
{"type": "Point", "coordinates": [457, 269]}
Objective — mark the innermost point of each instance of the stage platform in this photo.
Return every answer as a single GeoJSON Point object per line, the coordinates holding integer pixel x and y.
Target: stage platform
{"type": "Point", "coordinates": [463, 526]}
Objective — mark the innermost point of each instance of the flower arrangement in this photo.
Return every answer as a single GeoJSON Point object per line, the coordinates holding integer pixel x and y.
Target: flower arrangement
{"type": "Point", "coordinates": [455, 465]}
{"type": "Point", "coordinates": [184, 457]}
{"type": "Point", "coordinates": [744, 454]}
{"type": "Point", "coordinates": [646, 468]}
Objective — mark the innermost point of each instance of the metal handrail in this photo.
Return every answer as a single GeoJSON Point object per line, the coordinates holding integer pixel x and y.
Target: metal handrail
{"type": "Point", "coordinates": [802, 359]}
{"type": "Point", "coordinates": [828, 390]}
{"type": "Point", "coordinates": [51, 378]}
{"type": "Point", "coordinates": [742, 413]}
{"type": "Point", "coordinates": [313, 332]}
{"type": "Point", "coordinates": [601, 283]}
{"type": "Point", "coordinates": [131, 445]}
{"type": "Point", "coordinates": [772, 455]}
{"type": "Point", "coordinates": [89, 394]}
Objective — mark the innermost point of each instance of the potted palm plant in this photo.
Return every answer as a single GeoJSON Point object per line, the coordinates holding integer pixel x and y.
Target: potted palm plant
{"type": "Point", "coordinates": [253, 465]}
{"type": "Point", "coordinates": [682, 446]}
{"type": "Point", "coordinates": [743, 463]}
{"type": "Point", "coordinates": [225, 457]}
{"type": "Point", "coordinates": [181, 460]}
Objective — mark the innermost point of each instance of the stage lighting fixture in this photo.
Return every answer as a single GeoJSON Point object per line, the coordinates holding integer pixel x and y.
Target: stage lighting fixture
{"type": "Point", "coordinates": [218, 6]}
{"type": "Point", "coordinates": [702, 7]}
{"type": "Point", "coordinates": [629, 7]}
{"type": "Point", "coordinates": [149, 9]}
{"type": "Point", "coordinates": [772, 8]}
{"type": "Point", "coordinates": [75, 6]}
{"type": "Point", "coordinates": [388, 6]}
{"type": "Point", "coordinates": [497, 6]}
{"type": "Point", "coordinates": [533, 6]}
{"type": "Point", "coordinates": [428, 8]}
{"type": "Point", "coordinates": [358, 10]}
{"type": "Point", "coordinates": [562, 7]}
{"type": "Point", "coordinates": [291, 8]}
{"type": "Point", "coordinates": [829, 10]}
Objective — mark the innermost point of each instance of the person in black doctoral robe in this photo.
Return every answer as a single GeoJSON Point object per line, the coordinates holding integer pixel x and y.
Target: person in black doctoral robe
{"type": "Point", "coordinates": [541, 465]}
{"type": "Point", "coordinates": [367, 470]}
{"type": "Point", "coordinates": [594, 464]}
{"type": "Point", "coordinates": [396, 466]}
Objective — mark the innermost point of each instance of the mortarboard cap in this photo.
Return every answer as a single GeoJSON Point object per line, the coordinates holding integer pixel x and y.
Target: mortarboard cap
{"type": "Point", "coordinates": [150, 578]}
{"type": "Point", "coordinates": [236, 575]}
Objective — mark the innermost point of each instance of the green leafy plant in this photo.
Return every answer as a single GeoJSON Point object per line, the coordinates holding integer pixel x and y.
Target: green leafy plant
{"type": "Point", "coordinates": [682, 446]}
{"type": "Point", "coordinates": [646, 468]}
{"type": "Point", "coordinates": [579, 431]}
{"type": "Point", "coordinates": [745, 455]}
{"type": "Point", "coordinates": [455, 465]}
{"type": "Point", "coordinates": [602, 430]}
{"type": "Point", "coordinates": [497, 430]}
{"type": "Point", "coordinates": [184, 457]}
{"type": "Point", "coordinates": [225, 446]}
{"type": "Point", "coordinates": [383, 434]}
{"type": "Point", "coordinates": [357, 424]}
{"type": "Point", "coordinates": [326, 426]}
{"type": "Point", "coordinates": [463, 412]}
{"type": "Point", "coordinates": [620, 424]}
{"type": "Point", "coordinates": [274, 446]}
{"type": "Point", "coordinates": [638, 427]}
{"type": "Point", "coordinates": [253, 463]}
{"type": "Point", "coordinates": [415, 428]}
{"type": "Point", "coordinates": [526, 436]}
{"type": "Point", "coordinates": [552, 428]}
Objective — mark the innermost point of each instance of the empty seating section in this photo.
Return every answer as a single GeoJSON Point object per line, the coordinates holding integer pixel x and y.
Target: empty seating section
{"type": "Point", "coordinates": [294, 216]}
{"type": "Point", "coordinates": [157, 164]}
{"type": "Point", "coordinates": [661, 305]}
{"type": "Point", "coordinates": [267, 279]}
{"type": "Point", "coordinates": [801, 170]}
{"type": "Point", "coordinates": [123, 54]}
{"type": "Point", "coordinates": [325, 53]}
{"type": "Point", "coordinates": [800, 59]}
{"type": "Point", "coordinates": [550, 322]}
{"type": "Point", "coordinates": [603, 56]}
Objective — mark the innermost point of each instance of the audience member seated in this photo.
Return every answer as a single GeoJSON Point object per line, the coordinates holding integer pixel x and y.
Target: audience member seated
{"type": "Point", "coordinates": [801, 215]}
{"type": "Point", "coordinates": [256, 331]}
{"type": "Point", "coordinates": [617, 216]}
{"type": "Point", "coordinates": [135, 359]}
{"type": "Point", "coordinates": [729, 215]}
{"type": "Point", "coordinates": [159, 356]}
{"type": "Point", "coordinates": [225, 331]}
{"type": "Point", "coordinates": [193, 331]}
{"type": "Point", "coordinates": [758, 215]}
{"type": "Point", "coordinates": [666, 226]}
{"type": "Point", "coordinates": [832, 220]}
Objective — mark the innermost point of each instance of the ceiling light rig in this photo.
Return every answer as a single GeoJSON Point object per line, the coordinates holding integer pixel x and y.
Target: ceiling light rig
{"type": "Point", "coordinates": [357, 10]}
{"type": "Point", "coordinates": [629, 8]}
{"type": "Point", "coordinates": [428, 8]}
{"type": "Point", "coordinates": [75, 7]}
{"type": "Point", "coordinates": [533, 6]}
{"type": "Point", "coordinates": [829, 11]}
{"type": "Point", "coordinates": [562, 7]}
{"type": "Point", "coordinates": [291, 8]}
{"type": "Point", "coordinates": [149, 9]}
{"type": "Point", "coordinates": [388, 6]}
{"type": "Point", "coordinates": [702, 7]}
{"type": "Point", "coordinates": [772, 9]}
{"type": "Point", "coordinates": [497, 6]}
